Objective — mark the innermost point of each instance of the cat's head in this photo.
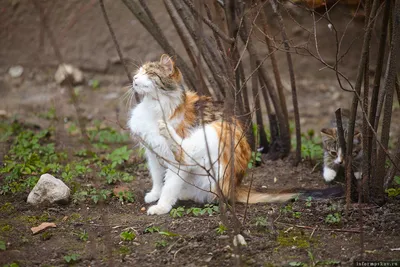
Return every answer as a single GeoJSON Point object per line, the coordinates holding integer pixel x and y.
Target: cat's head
{"type": "Point", "coordinates": [330, 141]}
{"type": "Point", "coordinates": [158, 78]}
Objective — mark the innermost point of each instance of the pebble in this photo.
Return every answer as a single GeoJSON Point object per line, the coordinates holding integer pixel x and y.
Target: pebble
{"type": "Point", "coordinates": [16, 71]}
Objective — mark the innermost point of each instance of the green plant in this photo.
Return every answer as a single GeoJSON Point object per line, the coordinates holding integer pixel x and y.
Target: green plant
{"type": "Point", "coordinates": [210, 209]}
{"type": "Point", "coordinates": [14, 264]}
{"type": "Point", "coordinates": [83, 235]}
{"type": "Point", "coordinates": [221, 229]}
{"type": "Point", "coordinates": [334, 218]}
{"type": "Point", "coordinates": [127, 235]}
{"type": "Point", "coordinates": [95, 84]}
{"type": "Point", "coordinates": [308, 202]}
{"type": "Point", "coordinates": [95, 195]}
{"type": "Point", "coordinates": [71, 258]}
{"type": "Point", "coordinates": [177, 212]}
{"type": "Point", "coordinates": [2, 245]}
{"type": "Point", "coordinates": [254, 160]}
{"type": "Point", "coordinates": [152, 229]}
{"type": "Point", "coordinates": [261, 222]}
{"type": "Point", "coordinates": [126, 196]}
{"type": "Point", "coordinates": [119, 155]}
{"type": "Point", "coordinates": [161, 244]}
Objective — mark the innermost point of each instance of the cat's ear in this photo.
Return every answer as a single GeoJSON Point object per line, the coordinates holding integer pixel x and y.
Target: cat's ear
{"type": "Point", "coordinates": [328, 134]}
{"type": "Point", "coordinates": [168, 62]}
{"type": "Point", "coordinates": [357, 137]}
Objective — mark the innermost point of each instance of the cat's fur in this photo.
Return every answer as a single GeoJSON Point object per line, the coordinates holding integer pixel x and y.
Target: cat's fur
{"type": "Point", "coordinates": [188, 142]}
{"type": "Point", "coordinates": [333, 156]}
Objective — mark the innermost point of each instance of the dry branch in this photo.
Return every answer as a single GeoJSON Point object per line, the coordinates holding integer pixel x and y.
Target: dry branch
{"type": "Point", "coordinates": [389, 84]}
{"type": "Point", "coordinates": [357, 88]}
{"type": "Point", "coordinates": [292, 81]}
{"type": "Point", "coordinates": [158, 35]}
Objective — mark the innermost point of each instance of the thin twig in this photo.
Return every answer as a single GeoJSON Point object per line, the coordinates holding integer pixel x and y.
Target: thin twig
{"type": "Point", "coordinates": [117, 47]}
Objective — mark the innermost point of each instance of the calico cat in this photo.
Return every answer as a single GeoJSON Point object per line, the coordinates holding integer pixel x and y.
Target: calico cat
{"type": "Point", "coordinates": [333, 155]}
{"type": "Point", "coordinates": [188, 142]}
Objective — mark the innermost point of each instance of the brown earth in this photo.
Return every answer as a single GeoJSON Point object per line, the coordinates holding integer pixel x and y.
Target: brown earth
{"type": "Point", "coordinates": [84, 41]}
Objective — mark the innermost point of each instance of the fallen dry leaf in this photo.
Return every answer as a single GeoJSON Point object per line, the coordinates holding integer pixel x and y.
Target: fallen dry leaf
{"type": "Point", "coordinates": [119, 189]}
{"type": "Point", "coordinates": [42, 227]}
{"type": "Point", "coordinates": [65, 218]}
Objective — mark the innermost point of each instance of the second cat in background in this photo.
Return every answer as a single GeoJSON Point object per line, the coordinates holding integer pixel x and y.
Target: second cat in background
{"type": "Point", "coordinates": [333, 155]}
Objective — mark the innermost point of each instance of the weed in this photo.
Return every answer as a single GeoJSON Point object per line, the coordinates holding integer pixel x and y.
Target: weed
{"type": "Point", "coordinates": [126, 196]}
{"type": "Point", "coordinates": [124, 250]}
{"type": "Point", "coordinates": [308, 201]}
{"type": "Point", "coordinates": [71, 258]}
{"type": "Point", "coordinates": [261, 222]}
{"type": "Point", "coordinates": [334, 218]}
{"type": "Point", "coordinates": [395, 190]}
{"type": "Point", "coordinates": [83, 235]}
{"type": "Point", "coordinates": [14, 264]}
{"type": "Point", "coordinates": [95, 84]}
{"type": "Point", "coordinates": [177, 212]}
{"type": "Point", "coordinates": [210, 209]}
{"type": "Point", "coordinates": [221, 229]}
{"type": "Point", "coordinates": [2, 245]}
{"type": "Point", "coordinates": [119, 155]}
{"type": "Point", "coordinates": [152, 229]}
{"type": "Point", "coordinates": [161, 244]}
{"type": "Point", "coordinates": [254, 160]}
{"type": "Point", "coordinates": [127, 235]}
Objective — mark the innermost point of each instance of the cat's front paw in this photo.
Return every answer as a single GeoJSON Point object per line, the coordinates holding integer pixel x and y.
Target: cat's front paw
{"type": "Point", "coordinates": [159, 209]}
{"type": "Point", "coordinates": [358, 175]}
{"type": "Point", "coordinates": [152, 197]}
{"type": "Point", "coordinates": [329, 174]}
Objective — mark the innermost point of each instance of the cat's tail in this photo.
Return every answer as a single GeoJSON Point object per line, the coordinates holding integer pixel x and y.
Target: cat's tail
{"type": "Point", "coordinates": [246, 195]}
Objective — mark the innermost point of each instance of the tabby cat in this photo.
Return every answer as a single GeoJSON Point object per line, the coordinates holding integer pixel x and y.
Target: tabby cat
{"type": "Point", "coordinates": [333, 155]}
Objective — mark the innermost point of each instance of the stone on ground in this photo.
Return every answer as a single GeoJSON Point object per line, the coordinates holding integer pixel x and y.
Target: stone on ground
{"type": "Point", "coordinates": [65, 70]}
{"type": "Point", "coordinates": [49, 189]}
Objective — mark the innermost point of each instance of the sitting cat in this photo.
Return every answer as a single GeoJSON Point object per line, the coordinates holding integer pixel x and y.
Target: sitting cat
{"type": "Point", "coordinates": [333, 155]}
{"type": "Point", "coordinates": [186, 159]}
{"type": "Point", "coordinates": [188, 143]}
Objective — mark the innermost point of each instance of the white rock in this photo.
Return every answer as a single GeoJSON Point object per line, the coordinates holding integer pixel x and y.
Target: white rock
{"type": "Point", "coordinates": [50, 189]}
{"type": "Point", "coordinates": [239, 240]}
{"type": "Point", "coordinates": [16, 71]}
{"type": "Point", "coordinates": [65, 70]}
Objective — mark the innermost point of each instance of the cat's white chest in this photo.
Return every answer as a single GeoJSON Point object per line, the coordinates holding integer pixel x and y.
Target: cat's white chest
{"type": "Point", "coordinates": [143, 121]}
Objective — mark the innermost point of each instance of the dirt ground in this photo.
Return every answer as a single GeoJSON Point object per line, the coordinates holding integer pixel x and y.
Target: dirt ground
{"type": "Point", "coordinates": [276, 235]}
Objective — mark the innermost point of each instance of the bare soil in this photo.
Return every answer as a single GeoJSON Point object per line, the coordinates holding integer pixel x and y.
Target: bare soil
{"type": "Point", "coordinates": [283, 236]}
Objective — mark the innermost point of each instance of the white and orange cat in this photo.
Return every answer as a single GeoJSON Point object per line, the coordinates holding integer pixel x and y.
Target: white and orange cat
{"type": "Point", "coordinates": [188, 142]}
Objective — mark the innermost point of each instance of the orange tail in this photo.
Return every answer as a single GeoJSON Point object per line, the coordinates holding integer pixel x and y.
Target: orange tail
{"type": "Point", "coordinates": [242, 195]}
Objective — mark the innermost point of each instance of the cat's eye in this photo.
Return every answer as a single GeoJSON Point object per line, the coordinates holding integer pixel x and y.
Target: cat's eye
{"type": "Point", "coordinates": [333, 153]}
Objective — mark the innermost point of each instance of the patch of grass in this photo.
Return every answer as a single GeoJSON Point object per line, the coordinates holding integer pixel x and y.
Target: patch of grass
{"type": "Point", "coordinates": [7, 208]}
{"type": "Point", "coordinates": [14, 264]}
{"type": "Point", "coordinates": [124, 250]}
{"type": "Point", "coordinates": [293, 239]}
{"type": "Point", "coordinates": [6, 228]}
